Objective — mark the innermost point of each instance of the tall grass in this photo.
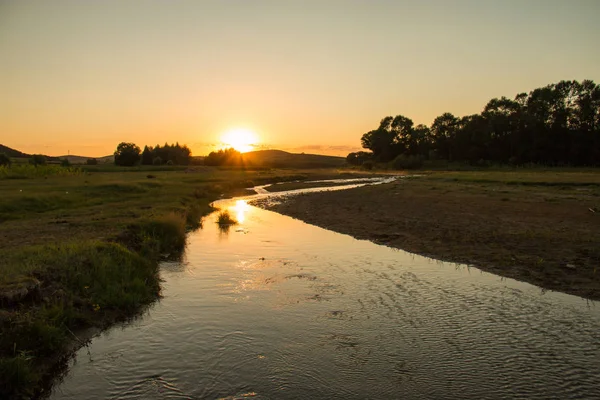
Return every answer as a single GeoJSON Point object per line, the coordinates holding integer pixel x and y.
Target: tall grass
{"type": "Point", "coordinates": [78, 284]}
{"type": "Point", "coordinates": [28, 171]}
{"type": "Point", "coordinates": [224, 219]}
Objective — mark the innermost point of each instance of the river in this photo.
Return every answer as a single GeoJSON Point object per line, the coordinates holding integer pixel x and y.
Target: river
{"type": "Point", "coordinates": [274, 308]}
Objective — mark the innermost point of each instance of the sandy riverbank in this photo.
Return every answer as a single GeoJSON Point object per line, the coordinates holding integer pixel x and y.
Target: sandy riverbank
{"type": "Point", "coordinates": [544, 233]}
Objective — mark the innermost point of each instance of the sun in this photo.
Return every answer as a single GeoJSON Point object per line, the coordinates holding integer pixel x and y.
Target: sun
{"type": "Point", "coordinates": [241, 139]}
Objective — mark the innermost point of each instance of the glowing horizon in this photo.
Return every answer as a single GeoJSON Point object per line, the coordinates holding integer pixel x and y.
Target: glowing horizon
{"type": "Point", "coordinates": [80, 77]}
{"type": "Point", "coordinates": [240, 139]}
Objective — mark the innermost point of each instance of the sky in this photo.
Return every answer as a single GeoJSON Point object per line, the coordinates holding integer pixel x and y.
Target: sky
{"type": "Point", "coordinates": [81, 76]}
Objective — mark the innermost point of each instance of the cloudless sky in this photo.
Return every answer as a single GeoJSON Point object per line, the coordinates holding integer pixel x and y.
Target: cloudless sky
{"type": "Point", "coordinates": [83, 75]}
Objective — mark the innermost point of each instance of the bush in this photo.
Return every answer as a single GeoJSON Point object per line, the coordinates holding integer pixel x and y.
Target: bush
{"type": "Point", "coordinates": [407, 162]}
{"type": "Point", "coordinates": [224, 218]}
{"type": "Point", "coordinates": [157, 161]}
{"type": "Point", "coordinates": [65, 162]}
{"type": "Point", "coordinates": [170, 162]}
{"type": "Point", "coordinates": [37, 159]}
{"type": "Point", "coordinates": [91, 161]}
{"type": "Point", "coordinates": [368, 165]}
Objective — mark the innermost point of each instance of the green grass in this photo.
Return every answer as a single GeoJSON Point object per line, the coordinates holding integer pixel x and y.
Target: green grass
{"type": "Point", "coordinates": [78, 285]}
{"type": "Point", "coordinates": [28, 171]}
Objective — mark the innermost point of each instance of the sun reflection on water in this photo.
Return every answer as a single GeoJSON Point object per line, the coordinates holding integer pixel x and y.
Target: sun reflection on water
{"type": "Point", "coordinates": [240, 208]}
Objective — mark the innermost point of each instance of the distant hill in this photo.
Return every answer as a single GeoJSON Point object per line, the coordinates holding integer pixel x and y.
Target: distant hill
{"type": "Point", "coordinates": [12, 153]}
{"type": "Point", "coordinates": [279, 159]}
{"type": "Point", "coordinates": [260, 158]}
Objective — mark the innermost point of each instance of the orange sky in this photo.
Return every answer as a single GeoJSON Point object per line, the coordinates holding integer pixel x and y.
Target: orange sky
{"type": "Point", "coordinates": [82, 76]}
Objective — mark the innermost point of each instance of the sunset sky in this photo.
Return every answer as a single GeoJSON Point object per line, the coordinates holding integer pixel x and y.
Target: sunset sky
{"type": "Point", "coordinates": [81, 76]}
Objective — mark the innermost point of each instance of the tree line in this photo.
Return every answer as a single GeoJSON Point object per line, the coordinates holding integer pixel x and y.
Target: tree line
{"type": "Point", "coordinates": [558, 124]}
{"type": "Point", "coordinates": [229, 156]}
{"type": "Point", "coordinates": [129, 154]}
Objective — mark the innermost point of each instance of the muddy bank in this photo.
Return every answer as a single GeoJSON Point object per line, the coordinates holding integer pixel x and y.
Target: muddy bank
{"type": "Point", "coordinates": [545, 235]}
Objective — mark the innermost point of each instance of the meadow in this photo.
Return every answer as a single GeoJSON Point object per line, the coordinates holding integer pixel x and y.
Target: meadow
{"type": "Point", "coordinates": [80, 246]}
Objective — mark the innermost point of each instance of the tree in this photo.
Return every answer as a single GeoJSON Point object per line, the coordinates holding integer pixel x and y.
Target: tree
{"type": "Point", "coordinates": [359, 157]}
{"type": "Point", "coordinates": [4, 160]}
{"type": "Point", "coordinates": [37, 159]}
{"type": "Point", "coordinates": [558, 124]}
{"type": "Point", "coordinates": [147, 157]}
{"type": "Point", "coordinates": [443, 132]}
{"type": "Point", "coordinates": [228, 156]}
{"type": "Point", "coordinates": [127, 154]}
{"type": "Point", "coordinates": [177, 154]}
{"type": "Point", "coordinates": [381, 143]}
{"type": "Point", "coordinates": [404, 140]}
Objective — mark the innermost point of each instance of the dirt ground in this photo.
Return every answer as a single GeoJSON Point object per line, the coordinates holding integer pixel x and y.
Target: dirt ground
{"type": "Point", "coordinates": [546, 233]}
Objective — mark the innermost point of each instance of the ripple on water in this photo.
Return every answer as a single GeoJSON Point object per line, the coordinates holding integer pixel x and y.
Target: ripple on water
{"type": "Point", "coordinates": [282, 309]}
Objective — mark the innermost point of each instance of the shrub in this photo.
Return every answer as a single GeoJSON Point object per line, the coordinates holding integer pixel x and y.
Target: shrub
{"type": "Point", "coordinates": [170, 162]}
{"type": "Point", "coordinates": [157, 161]}
{"type": "Point", "coordinates": [65, 162]}
{"type": "Point", "coordinates": [224, 218]}
{"type": "Point", "coordinates": [368, 165]}
{"type": "Point", "coordinates": [407, 162]}
{"type": "Point", "coordinates": [91, 161]}
{"type": "Point", "coordinates": [37, 159]}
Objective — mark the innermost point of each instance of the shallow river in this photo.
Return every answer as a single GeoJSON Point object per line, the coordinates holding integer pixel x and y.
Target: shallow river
{"type": "Point", "coordinates": [278, 309]}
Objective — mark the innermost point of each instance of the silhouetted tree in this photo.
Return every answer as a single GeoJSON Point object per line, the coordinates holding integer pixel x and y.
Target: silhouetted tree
{"type": "Point", "coordinates": [177, 154]}
{"type": "Point", "coordinates": [359, 158]}
{"type": "Point", "coordinates": [37, 159]}
{"type": "Point", "coordinates": [228, 156]}
{"type": "Point", "coordinates": [127, 154]}
{"type": "Point", "coordinates": [147, 158]}
{"type": "Point", "coordinates": [553, 125]}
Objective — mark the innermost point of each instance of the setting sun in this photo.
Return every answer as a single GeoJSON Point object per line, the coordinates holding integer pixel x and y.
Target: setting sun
{"type": "Point", "coordinates": [241, 139]}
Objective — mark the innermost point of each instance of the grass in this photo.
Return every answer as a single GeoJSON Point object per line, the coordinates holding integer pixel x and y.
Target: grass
{"type": "Point", "coordinates": [71, 286]}
{"type": "Point", "coordinates": [225, 218]}
{"type": "Point", "coordinates": [28, 171]}
{"type": "Point", "coordinates": [113, 225]}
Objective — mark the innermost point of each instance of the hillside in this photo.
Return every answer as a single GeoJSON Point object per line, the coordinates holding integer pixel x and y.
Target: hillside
{"type": "Point", "coordinates": [12, 153]}
{"type": "Point", "coordinates": [279, 159]}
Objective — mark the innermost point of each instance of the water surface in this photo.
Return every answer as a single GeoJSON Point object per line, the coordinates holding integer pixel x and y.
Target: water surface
{"type": "Point", "coordinates": [274, 308]}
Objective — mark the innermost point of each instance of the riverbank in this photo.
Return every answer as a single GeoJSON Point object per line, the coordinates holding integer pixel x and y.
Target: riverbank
{"type": "Point", "coordinates": [539, 227]}
{"type": "Point", "coordinates": [79, 251]}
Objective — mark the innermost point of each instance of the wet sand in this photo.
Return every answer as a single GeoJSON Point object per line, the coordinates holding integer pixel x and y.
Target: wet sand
{"type": "Point", "coordinates": [545, 235]}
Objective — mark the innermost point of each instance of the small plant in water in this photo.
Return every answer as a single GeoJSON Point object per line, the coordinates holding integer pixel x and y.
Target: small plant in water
{"type": "Point", "coordinates": [224, 218]}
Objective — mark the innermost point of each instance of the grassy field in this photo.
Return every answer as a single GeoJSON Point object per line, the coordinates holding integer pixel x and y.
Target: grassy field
{"type": "Point", "coordinates": [79, 248]}
{"type": "Point", "coordinates": [541, 227]}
